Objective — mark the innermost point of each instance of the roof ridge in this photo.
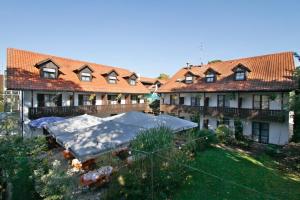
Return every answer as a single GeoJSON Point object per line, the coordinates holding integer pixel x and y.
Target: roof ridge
{"type": "Point", "coordinates": [238, 59]}
{"type": "Point", "coordinates": [70, 59]}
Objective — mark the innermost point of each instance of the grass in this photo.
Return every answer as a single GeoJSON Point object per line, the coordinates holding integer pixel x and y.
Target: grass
{"type": "Point", "coordinates": [259, 173]}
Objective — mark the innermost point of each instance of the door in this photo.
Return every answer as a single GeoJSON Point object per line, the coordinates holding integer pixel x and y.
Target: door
{"type": "Point", "coordinates": [260, 132]}
{"type": "Point", "coordinates": [206, 102]}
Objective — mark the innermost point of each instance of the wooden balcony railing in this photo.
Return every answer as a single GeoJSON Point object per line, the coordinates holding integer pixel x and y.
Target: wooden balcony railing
{"type": "Point", "coordinates": [176, 109]}
{"type": "Point", "coordinates": [243, 113]}
{"type": "Point", "coordinates": [97, 110]}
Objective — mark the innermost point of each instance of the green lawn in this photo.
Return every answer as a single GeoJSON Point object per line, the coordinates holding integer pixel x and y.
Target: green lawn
{"type": "Point", "coordinates": [258, 173]}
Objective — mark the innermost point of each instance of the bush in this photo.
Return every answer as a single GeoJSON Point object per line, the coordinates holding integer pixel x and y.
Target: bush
{"type": "Point", "coordinates": [224, 134]}
{"type": "Point", "coordinates": [162, 168]}
{"type": "Point", "coordinates": [153, 139]}
{"type": "Point", "coordinates": [238, 130]}
{"type": "Point", "coordinates": [18, 159]}
{"type": "Point", "coordinates": [52, 182]}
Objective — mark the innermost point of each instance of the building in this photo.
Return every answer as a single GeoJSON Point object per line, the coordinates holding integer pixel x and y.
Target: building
{"type": "Point", "coordinates": [152, 83]}
{"type": "Point", "coordinates": [56, 86]}
{"type": "Point", "coordinates": [255, 90]}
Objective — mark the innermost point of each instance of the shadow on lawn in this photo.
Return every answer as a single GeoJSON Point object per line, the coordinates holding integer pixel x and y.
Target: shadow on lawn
{"type": "Point", "coordinates": [237, 176]}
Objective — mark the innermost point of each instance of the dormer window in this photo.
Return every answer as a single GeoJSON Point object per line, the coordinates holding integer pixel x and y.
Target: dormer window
{"type": "Point", "coordinates": [189, 79]}
{"type": "Point", "coordinates": [112, 79]}
{"type": "Point", "coordinates": [131, 78]}
{"type": "Point", "coordinates": [48, 68]}
{"type": "Point", "coordinates": [132, 81]}
{"type": "Point", "coordinates": [240, 75]}
{"type": "Point", "coordinates": [86, 76]}
{"type": "Point", "coordinates": [240, 72]}
{"type": "Point", "coordinates": [84, 73]}
{"type": "Point", "coordinates": [111, 76]}
{"type": "Point", "coordinates": [49, 73]}
{"type": "Point", "coordinates": [210, 77]}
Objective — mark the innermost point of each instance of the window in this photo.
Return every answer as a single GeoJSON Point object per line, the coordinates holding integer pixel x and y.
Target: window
{"type": "Point", "coordinates": [189, 79]}
{"type": "Point", "coordinates": [240, 74]}
{"type": "Point", "coordinates": [132, 81]}
{"type": "Point", "coordinates": [112, 99]}
{"type": "Point", "coordinates": [112, 79]}
{"type": "Point", "coordinates": [210, 77]}
{"type": "Point", "coordinates": [86, 76]}
{"type": "Point", "coordinates": [181, 100]}
{"type": "Point", "coordinates": [134, 99]}
{"type": "Point", "coordinates": [223, 101]}
{"type": "Point", "coordinates": [172, 100]}
{"type": "Point", "coordinates": [223, 121]}
{"type": "Point", "coordinates": [86, 99]}
{"type": "Point", "coordinates": [49, 100]}
{"type": "Point", "coordinates": [260, 132]}
{"type": "Point", "coordinates": [260, 102]}
{"type": "Point", "coordinates": [49, 73]}
{"type": "Point", "coordinates": [195, 101]}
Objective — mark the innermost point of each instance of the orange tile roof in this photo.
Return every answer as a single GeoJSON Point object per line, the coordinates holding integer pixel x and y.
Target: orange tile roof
{"type": "Point", "coordinates": [267, 73]}
{"type": "Point", "coordinates": [152, 80]}
{"type": "Point", "coordinates": [147, 80]}
{"type": "Point", "coordinates": [23, 75]}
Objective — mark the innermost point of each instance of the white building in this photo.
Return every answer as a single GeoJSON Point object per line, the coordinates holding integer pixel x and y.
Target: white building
{"type": "Point", "coordinates": [56, 86]}
{"type": "Point", "coordinates": [254, 90]}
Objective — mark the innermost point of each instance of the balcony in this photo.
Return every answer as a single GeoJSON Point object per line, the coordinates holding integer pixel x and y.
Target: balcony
{"type": "Point", "coordinates": [176, 109]}
{"type": "Point", "coordinates": [246, 113]}
{"type": "Point", "coordinates": [97, 110]}
{"type": "Point", "coordinates": [243, 113]}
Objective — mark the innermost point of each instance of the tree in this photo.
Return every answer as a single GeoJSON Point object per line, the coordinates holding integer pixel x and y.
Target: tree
{"type": "Point", "coordinates": [214, 61]}
{"type": "Point", "coordinates": [295, 106]}
{"type": "Point", "coordinates": [163, 76]}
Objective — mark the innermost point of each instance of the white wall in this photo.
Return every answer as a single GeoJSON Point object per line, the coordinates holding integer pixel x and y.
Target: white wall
{"type": "Point", "coordinates": [278, 132]}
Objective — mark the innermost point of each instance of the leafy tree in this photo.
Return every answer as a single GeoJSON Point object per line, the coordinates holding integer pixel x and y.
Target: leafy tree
{"type": "Point", "coordinates": [155, 106]}
{"type": "Point", "coordinates": [158, 167]}
{"type": "Point", "coordinates": [18, 159]}
{"type": "Point", "coordinates": [163, 76]}
{"type": "Point", "coordinates": [294, 105]}
{"type": "Point", "coordinates": [214, 61]}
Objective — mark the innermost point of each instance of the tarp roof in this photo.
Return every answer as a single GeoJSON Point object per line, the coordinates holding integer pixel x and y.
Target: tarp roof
{"type": "Point", "coordinates": [87, 136]}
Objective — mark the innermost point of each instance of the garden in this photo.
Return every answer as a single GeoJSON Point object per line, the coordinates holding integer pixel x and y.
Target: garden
{"type": "Point", "coordinates": [157, 165]}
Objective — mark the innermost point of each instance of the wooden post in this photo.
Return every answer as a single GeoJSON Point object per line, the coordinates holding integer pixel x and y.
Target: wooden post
{"type": "Point", "coordinates": [104, 99]}
{"type": "Point", "coordinates": [128, 99]}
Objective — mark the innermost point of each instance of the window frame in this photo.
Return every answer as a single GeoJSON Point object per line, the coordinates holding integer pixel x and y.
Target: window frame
{"type": "Point", "coordinates": [131, 80]}
{"type": "Point", "coordinates": [195, 101]}
{"type": "Point", "coordinates": [210, 77]}
{"type": "Point", "coordinates": [84, 75]}
{"type": "Point", "coordinates": [189, 79]}
{"type": "Point", "coordinates": [259, 127]}
{"type": "Point", "coordinates": [240, 71]}
{"type": "Point", "coordinates": [49, 100]}
{"type": "Point", "coordinates": [181, 100]}
{"type": "Point", "coordinates": [112, 79]}
{"type": "Point", "coordinates": [260, 102]}
{"type": "Point", "coordinates": [46, 72]}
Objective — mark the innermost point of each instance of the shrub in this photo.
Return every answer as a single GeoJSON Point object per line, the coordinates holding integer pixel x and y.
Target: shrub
{"type": "Point", "coordinates": [238, 130]}
{"type": "Point", "coordinates": [18, 159]}
{"type": "Point", "coordinates": [52, 182]}
{"type": "Point", "coordinates": [153, 139]}
{"type": "Point", "coordinates": [224, 134]}
{"type": "Point", "coordinates": [162, 168]}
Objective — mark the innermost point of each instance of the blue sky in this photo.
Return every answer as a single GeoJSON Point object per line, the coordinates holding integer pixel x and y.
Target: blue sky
{"type": "Point", "coordinates": [151, 36]}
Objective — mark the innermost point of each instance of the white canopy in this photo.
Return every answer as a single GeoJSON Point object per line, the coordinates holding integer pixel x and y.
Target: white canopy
{"type": "Point", "coordinates": [88, 136]}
